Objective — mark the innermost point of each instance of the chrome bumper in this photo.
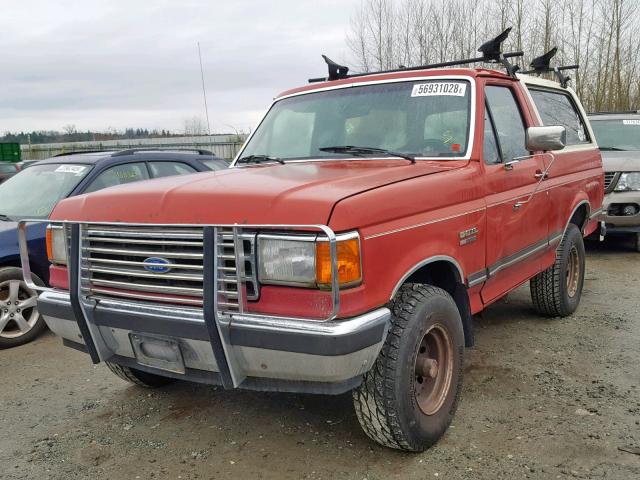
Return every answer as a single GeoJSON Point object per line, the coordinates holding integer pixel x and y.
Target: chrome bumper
{"type": "Point", "coordinates": [272, 353]}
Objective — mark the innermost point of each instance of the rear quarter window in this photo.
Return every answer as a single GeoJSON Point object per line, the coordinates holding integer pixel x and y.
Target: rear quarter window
{"type": "Point", "coordinates": [558, 108]}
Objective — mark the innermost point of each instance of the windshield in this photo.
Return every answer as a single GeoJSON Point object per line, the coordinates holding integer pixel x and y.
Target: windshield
{"type": "Point", "coordinates": [622, 134]}
{"type": "Point", "coordinates": [426, 118]}
{"type": "Point", "coordinates": [33, 192]}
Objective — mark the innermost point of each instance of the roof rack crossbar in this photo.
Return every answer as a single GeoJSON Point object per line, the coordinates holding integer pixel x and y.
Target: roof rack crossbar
{"type": "Point", "coordinates": [131, 151]}
{"type": "Point", "coordinates": [491, 53]}
{"type": "Point", "coordinates": [78, 152]}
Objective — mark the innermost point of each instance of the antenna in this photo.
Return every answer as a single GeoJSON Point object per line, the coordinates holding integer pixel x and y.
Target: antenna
{"type": "Point", "coordinates": [204, 95]}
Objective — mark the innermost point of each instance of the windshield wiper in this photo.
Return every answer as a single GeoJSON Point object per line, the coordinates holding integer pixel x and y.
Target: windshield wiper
{"type": "Point", "coordinates": [5, 218]}
{"type": "Point", "coordinates": [366, 151]}
{"type": "Point", "coordinates": [614, 149]}
{"type": "Point", "coordinates": [260, 158]}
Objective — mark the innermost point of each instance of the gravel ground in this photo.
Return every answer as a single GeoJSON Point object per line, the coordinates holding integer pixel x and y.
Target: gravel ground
{"type": "Point", "coordinates": [543, 398]}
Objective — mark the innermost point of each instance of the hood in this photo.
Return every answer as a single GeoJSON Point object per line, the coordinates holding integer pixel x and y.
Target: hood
{"type": "Point", "coordinates": [621, 161]}
{"type": "Point", "coordinates": [294, 193]}
{"type": "Point", "coordinates": [7, 227]}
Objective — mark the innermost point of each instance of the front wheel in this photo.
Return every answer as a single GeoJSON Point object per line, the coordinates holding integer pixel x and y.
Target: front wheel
{"type": "Point", "coordinates": [556, 292]}
{"type": "Point", "coordinates": [20, 321]}
{"type": "Point", "coordinates": [408, 399]}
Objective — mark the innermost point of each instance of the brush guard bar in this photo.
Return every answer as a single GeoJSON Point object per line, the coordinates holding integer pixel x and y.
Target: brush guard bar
{"type": "Point", "coordinates": [217, 321]}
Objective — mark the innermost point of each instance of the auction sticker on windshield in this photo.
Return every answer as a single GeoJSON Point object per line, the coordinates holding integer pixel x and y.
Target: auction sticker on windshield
{"type": "Point", "coordinates": [76, 169]}
{"type": "Point", "coordinates": [631, 122]}
{"type": "Point", "coordinates": [432, 89]}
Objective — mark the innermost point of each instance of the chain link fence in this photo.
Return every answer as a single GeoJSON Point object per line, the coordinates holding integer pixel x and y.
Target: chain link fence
{"type": "Point", "coordinates": [223, 146]}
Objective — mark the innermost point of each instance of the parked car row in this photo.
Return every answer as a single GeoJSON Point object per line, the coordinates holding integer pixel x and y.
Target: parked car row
{"type": "Point", "coordinates": [34, 192]}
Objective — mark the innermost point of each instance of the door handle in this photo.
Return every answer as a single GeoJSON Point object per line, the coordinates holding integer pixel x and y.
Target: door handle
{"type": "Point", "coordinates": [541, 175]}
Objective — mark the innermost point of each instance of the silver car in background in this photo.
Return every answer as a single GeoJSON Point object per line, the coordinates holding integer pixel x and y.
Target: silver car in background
{"type": "Point", "coordinates": [618, 135]}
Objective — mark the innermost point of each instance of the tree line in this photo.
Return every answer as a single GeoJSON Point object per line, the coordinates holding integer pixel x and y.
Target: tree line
{"type": "Point", "coordinates": [54, 136]}
{"type": "Point", "coordinates": [602, 36]}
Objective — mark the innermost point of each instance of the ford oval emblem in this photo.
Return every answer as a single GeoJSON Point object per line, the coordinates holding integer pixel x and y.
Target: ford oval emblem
{"type": "Point", "coordinates": [157, 265]}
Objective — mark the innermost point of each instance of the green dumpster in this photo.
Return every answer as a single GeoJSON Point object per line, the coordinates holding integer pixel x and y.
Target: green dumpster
{"type": "Point", "coordinates": [10, 152]}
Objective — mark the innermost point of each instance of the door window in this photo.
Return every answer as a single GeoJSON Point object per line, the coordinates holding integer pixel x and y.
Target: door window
{"type": "Point", "coordinates": [508, 122]}
{"type": "Point", "coordinates": [119, 175]}
{"type": "Point", "coordinates": [490, 150]}
{"type": "Point", "coordinates": [557, 108]}
{"type": "Point", "coordinates": [170, 169]}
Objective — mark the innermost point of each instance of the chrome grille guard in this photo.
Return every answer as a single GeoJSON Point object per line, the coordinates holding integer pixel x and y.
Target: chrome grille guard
{"type": "Point", "coordinates": [217, 315]}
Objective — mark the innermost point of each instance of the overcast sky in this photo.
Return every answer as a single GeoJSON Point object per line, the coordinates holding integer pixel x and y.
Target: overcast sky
{"type": "Point", "coordinates": [118, 63]}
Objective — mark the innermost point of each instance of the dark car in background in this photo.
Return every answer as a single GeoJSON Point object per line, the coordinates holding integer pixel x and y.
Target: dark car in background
{"type": "Point", "coordinates": [618, 136]}
{"type": "Point", "coordinates": [8, 170]}
{"type": "Point", "coordinates": [34, 191]}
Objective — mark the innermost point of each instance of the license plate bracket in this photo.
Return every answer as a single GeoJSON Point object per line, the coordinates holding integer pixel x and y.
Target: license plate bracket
{"type": "Point", "coordinates": [157, 351]}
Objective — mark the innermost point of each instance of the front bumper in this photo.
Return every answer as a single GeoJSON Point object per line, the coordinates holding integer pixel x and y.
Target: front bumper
{"type": "Point", "coordinates": [619, 223]}
{"type": "Point", "coordinates": [273, 353]}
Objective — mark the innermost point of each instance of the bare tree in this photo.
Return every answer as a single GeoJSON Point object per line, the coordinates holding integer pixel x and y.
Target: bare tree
{"type": "Point", "coordinates": [602, 36]}
{"type": "Point", "coordinates": [195, 126]}
{"type": "Point", "coordinates": [70, 129]}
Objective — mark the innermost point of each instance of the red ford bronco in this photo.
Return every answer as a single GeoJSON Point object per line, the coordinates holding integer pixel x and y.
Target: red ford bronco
{"type": "Point", "coordinates": [363, 224]}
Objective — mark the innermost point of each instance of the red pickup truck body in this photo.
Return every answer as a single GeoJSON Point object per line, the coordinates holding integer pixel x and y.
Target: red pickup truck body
{"type": "Point", "coordinates": [471, 227]}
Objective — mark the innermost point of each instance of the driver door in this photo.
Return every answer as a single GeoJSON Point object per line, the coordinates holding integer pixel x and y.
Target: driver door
{"type": "Point", "coordinates": [517, 218]}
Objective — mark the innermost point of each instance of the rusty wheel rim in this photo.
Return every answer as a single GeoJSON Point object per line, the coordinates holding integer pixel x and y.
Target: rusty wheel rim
{"type": "Point", "coordinates": [573, 272]}
{"type": "Point", "coordinates": [433, 369]}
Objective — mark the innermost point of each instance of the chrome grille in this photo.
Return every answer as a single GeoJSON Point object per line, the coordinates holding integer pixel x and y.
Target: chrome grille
{"type": "Point", "coordinates": [113, 264]}
{"type": "Point", "coordinates": [608, 180]}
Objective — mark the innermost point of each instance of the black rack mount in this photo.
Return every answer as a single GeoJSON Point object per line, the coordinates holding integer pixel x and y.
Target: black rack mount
{"type": "Point", "coordinates": [491, 53]}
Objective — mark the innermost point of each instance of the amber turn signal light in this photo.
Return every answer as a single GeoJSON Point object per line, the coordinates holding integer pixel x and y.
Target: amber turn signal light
{"type": "Point", "coordinates": [348, 260]}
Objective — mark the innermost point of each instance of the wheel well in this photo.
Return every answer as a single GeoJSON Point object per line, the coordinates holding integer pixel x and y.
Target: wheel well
{"type": "Point", "coordinates": [579, 217]}
{"type": "Point", "coordinates": [444, 274]}
{"type": "Point", "coordinates": [11, 262]}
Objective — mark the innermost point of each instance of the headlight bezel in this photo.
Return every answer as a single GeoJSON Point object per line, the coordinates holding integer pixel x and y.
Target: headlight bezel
{"type": "Point", "coordinates": [314, 244]}
{"type": "Point", "coordinates": [623, 179]}
{"type": "Point", "coordinates": [57, 248]}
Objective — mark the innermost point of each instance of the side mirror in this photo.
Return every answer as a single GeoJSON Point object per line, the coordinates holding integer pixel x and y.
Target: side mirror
{"type": "Point", "coordinates": [546, 138]}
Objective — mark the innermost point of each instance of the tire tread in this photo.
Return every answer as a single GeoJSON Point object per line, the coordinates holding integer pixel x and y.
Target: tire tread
{"type": "Point", "coordinates": [374, 399]}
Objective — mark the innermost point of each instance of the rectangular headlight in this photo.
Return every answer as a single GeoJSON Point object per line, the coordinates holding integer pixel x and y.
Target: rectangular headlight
{"type": "Point", "coordinates": [56, 244]}
{"type": "Point", "coordinates": [305, 261]}
{"type": "Point", "coordinates": [287, 260]}
{"type": "Point", "coordinates": [628, 182]}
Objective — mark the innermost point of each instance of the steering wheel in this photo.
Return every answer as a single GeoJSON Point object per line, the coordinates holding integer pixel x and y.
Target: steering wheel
{"type": "Point", "coordinates": [435, 145]}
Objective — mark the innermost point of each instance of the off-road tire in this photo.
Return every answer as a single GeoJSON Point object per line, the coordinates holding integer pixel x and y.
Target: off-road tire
{"type": "Point", "coordinates": [138, 377]}
{"type": "Point", "coordinates": [14, 273]}
{"type": "Point", "coordinates": [385, 403]}
{"type": "Point", "coordinates": [549, 290]}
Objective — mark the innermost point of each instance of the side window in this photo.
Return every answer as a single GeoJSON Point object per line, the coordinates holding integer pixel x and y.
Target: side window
{"type": "Point", "coordinates": [508, 122]}
{"type": "Point", "coordinates": [118, 175]}
{"type": "Point", "coordinates": [169, 169]}
{"type": "Point", "coordinates": [557, 108]}
{"type": "Point", "coordinates": [490, 150]}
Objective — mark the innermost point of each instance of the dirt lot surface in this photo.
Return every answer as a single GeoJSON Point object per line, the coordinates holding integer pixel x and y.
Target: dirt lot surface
{"type": "Point", "coordinates": [543, 398]}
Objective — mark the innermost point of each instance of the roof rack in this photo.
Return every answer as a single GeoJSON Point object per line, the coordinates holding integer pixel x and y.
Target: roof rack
{"type": "Point", "coordinates": [491, 53]}
{"type": "Point", "coordinates": [622, 112]}
{"type": "Point", "coordinates": [542, 63]}
{"type": "Point", "coordinates": [131, 151]}
{"type": "Point", "coordinates": [79, 152]}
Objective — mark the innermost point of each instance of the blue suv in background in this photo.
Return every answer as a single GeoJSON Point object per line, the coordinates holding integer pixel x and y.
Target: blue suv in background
{"type": "Point", "coordinates": [34, 192]}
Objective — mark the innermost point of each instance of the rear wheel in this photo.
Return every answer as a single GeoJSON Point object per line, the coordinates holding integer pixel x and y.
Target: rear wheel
{"type": "Point", "coordinates": [556, 292]}
{"type": "Point", "coordinates": [20, 321]}
{"type": "Point", "coordinates": [408, 399]}
{"type": "Point", "coordinates": [138, 377]}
